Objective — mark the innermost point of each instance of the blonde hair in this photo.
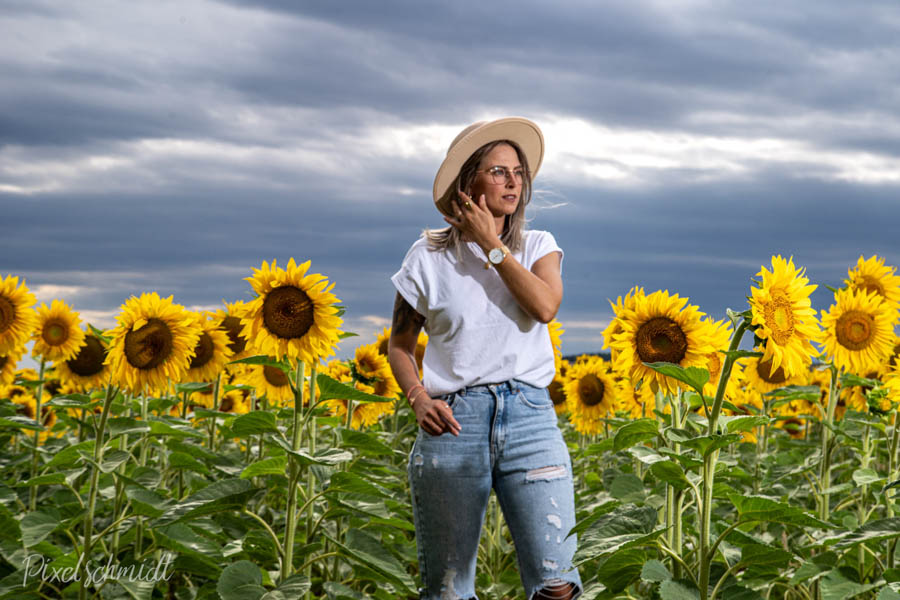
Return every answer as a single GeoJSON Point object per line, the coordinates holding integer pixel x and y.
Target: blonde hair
{"type": "Point", "coordinates": [448, 238]}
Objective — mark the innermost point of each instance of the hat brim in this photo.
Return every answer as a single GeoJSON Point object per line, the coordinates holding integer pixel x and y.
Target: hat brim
{"type": "Point", "coordinates": [526, 134]}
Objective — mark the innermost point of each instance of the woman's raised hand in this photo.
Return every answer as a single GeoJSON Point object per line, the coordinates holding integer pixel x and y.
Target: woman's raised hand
{"type": "Point", "coordinates": [474, 219]}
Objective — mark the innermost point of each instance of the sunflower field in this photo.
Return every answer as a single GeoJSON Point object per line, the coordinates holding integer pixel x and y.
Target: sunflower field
{"type": "Point", "coordinates": [186, 456]}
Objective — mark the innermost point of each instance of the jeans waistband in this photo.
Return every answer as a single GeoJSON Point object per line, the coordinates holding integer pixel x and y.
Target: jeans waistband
{"type": "Point", "coordinates": [509, 385]}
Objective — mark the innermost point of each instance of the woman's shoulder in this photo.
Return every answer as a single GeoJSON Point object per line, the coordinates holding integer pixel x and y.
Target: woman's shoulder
{"type": "Point", "coordinates": [536, 237]}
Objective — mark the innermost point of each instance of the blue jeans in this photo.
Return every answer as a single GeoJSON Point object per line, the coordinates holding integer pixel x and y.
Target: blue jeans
{"type": "Point", "coordinates": [510, 442]}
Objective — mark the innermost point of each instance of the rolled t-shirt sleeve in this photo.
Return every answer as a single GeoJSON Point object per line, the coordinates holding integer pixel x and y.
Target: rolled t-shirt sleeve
{"type": "Point", "coordinates": [544, 244]}
{"type": "Point", "coordinates": [409, 281]}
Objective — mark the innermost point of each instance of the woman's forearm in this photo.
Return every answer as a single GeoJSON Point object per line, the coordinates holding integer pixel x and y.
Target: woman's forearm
{"type": "Point", "coordinates": [538, 297]}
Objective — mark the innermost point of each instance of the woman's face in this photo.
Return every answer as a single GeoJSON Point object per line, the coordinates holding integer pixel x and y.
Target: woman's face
{"type": "Point", "coordinates": [501, 198]}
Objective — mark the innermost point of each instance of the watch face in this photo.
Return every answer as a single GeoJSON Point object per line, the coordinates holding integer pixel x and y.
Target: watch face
{"type": "Point", "coordinates": [495, 256]}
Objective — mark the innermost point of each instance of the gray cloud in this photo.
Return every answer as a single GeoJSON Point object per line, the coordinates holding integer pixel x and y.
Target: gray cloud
{"type": "Point", "coordinates": [174, 147]}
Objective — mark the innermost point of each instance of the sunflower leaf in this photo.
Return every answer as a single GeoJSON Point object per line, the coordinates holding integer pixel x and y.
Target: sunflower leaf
{"type": "Point", "coordinates": [331, 389]}
{"type": "Point", "coordinates": [635, 432]}
{"type": "Point", "coordinates": [254, 423]}
{"type": "Point", "coordinates": [99, 334]}
{"type": "Point", "coordinates": [760, 508]}
{"type": "Point", "coordinates": [849, 379]}
{"type": "Point", "coordinates": [275, 465]}
{"type": "Point", "coordinates": [695, 377]}
{"type": "Point", "coordinates": [20, 422]}
{"type": "Point", "coordinates": [347, 334]}
{"type": "Point", "coordinates": [873, 531]}
{"type": "Point", "coordinates": [262, 359]}
{"type": "Point", "coordinates": [193, 386]}
{"type": "Point", "coordinates": [72, 401]}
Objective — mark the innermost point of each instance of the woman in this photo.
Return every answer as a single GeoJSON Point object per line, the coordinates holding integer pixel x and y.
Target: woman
{"type": "Point", "coordinates": [484, 289]}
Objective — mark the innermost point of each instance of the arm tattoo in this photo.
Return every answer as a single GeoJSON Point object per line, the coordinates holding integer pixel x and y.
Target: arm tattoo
{"type": "Point", "coordinates": [405, 317]}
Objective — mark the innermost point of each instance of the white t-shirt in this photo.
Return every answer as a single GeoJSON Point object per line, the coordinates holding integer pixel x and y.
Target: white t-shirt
{"type": "Point", "coordinates": [477, 332]}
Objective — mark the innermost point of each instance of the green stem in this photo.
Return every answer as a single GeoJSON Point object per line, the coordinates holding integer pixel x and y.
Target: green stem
{"type": "Point", "coordinates": [215, 408]}
{"type": "Point", "coordinates": [709, 463]}
{"type": "Point", "coordinates": [92, 493]}
{"type": "Point", "coordinates": [825, 473]}
{"type": "Point", "coordinates": [290, 523]}
{"type": "Point", "coordinates": [36, 458]}
{"type": "Point", "coordinates": [310, 477]}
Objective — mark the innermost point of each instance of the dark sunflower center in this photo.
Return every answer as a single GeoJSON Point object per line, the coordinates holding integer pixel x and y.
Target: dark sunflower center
{"type": "Point", "coordinates": [590, 390]}
{"type": "Point", "coordinates": [275, 376]}
{"type": "Point", "coordinates": [764, 370]}
{"type": "Point", "coordinates": [55, 332]}
{"type": "Point", "coordinates": [26, 410]}
{"type": "Point", "coordinates": [89, 360]}
{"type": "Point", "coordinates": [7, 313]}
{"type": "Point", "coordinates": [3, 360]}
{"type": "Point", "coordinates": [149, 346]}
{"type": "Point", "coordinates": [383, 346]}
{"type": "Point", "coordinates": [871, 284]}
{"type": "Point", "coordinates": [203, 353]}
{"type": "Point", "coordinates": [232, 326]}
{"type": "Point", "coordinates": [854, 329]}
{"type": "Point", "coordinates": [227, 404]}
{"type": "Point", "coordinates": [557, 393]}
{"type": "Point", "coordinates": [661, 340]}
{"type": "Point", "coordinates": [288, 312]}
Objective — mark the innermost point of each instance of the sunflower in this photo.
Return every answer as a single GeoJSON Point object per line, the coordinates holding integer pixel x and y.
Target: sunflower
{"type": "Point", "coordinates": [8, 364]}
{"type": "Point", "coordinates": [620, 308]}
{"type": "Point", "coordinates": [87, 369]}
{"type": "Point", "coordinates": [639, 402]}
{"type": "Point", "coordinates": [894, 359]}
{"type": "Point", "coordinates": [363, 414]}
{"type": "Point", "coordinates": [202, 398]}
{"type": "Point", "coordinates": [26, 406]}
{"type": "Point", "coordinates": [372, 368]}
{"type": "Point", "coordinates": [382, 344]}
{"type": "Point", "coordinates": [294, 315]}
{"type": "Point", "coordinates": [794, 417]}
{"type": "Point", "coordinates": [273, 383]}
{"type": "Point", "coordinates": [747, 401]}
{"type": "Point", "coordinates": [850, 399]}
{"type": "Point", "coordinates": [153, 343]}
{"type": "Point", "coordinates": [556, 388]}
{"type": "Point", "coordinates": [873, 276]}
{"type": "Point", "coordinates": [235, 401]}
{"type": "Point", "coordinates": [720, 337]}
{"type": "Point", "coordinates": [859, 332]}
{"type": "Point", "coordinates": [764, 378]}
{"type": "Point", "coordinates": [556, 331]}
{"type": "Point", "coordinates": [57, 335]}
{"type": "Point", "coordinates": [784, 316]}
{"type": "Point", "coordinates": [661, 329]}
{"type": "Point", "coordinates": [590, 395]}
{"type": "Point", "coordinates": [17, 318]}
{"type": "Point", "coordinates": [229, 321]}
{"type": "Point", "coordinates": [211, 353]}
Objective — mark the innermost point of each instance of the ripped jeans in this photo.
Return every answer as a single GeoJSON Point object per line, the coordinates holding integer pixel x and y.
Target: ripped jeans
{"type": "Point", "coordinates": [510, 442]}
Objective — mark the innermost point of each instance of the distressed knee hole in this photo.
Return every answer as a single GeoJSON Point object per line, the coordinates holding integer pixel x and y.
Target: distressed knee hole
{"type": "Point", "coordinates": [547, 473]}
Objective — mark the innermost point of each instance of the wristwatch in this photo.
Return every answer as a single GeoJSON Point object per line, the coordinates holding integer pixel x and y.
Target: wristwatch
{"type": "Point", "coordinates": [496, 256]}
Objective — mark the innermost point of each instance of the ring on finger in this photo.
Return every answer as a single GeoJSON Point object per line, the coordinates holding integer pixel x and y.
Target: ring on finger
{"type": "Point", "coordinates": [468, 204]}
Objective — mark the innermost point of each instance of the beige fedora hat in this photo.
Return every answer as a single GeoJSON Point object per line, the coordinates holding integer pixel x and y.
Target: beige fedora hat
{"type": "Point", "coordinates": [523, 132]}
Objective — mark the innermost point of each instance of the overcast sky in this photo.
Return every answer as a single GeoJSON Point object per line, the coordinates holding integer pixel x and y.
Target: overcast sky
{"type": "Point", "coordinates": [174, 146]}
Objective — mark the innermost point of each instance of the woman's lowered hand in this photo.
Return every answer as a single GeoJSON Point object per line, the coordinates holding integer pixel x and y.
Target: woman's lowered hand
{"type": "Point", "coordinates": [435, 416]}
